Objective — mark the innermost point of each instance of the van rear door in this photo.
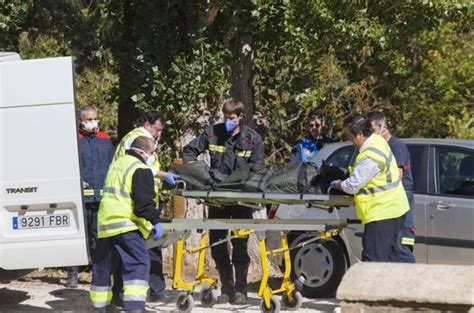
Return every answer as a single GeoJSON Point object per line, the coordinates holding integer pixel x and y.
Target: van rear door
{"type": "Point", "coordinates": [41, 208]}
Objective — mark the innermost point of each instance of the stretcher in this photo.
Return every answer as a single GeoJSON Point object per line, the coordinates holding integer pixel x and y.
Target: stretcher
{"type": "Point", "coordinates": [253, 199]}
{"type": "Point", "coordinates": [177, 230]}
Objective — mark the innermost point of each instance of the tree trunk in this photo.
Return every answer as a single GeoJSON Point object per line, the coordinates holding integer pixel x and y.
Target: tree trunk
{"type": "Point", "coordinates": [242, 71]}
{"type": "Point", "coordinates": [242, 75]}
{"type": "Point", "coordinates": [127, 81]}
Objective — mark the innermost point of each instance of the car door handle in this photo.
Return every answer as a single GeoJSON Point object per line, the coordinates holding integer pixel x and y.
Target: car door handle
{"type": "Point", "coordinates": [442, 205]}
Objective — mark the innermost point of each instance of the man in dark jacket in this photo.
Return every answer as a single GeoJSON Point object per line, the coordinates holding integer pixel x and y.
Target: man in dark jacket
{"type": "Point", "coordinates": [231, 145]}
{"type": "Point", "coordinates": [305, 149]}
{"type": "Point", "coordinates": [96, 152]}
{"type": "Point", "coordinates": [406, 240]}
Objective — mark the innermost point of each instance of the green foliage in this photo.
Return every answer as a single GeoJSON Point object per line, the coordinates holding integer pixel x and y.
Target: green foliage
{"type": "Point", "coordinates": [95, 87]}
{"type": "Point", "coordinates": [440, 91]}
{"type": "Point", "coordinates": [411, 59]}
{"type": "Point", "coordinates": [461, 127]}
{"type": "Point", "coordinates": [13, 14]}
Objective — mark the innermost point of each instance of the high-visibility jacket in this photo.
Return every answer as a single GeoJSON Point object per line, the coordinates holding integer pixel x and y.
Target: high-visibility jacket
{"type": "Point", "coordinates": [127, 141]}
{"type": "Point", "coordinates": [116, 208]}
{"type": "Point", "coordinates": [383, 197]}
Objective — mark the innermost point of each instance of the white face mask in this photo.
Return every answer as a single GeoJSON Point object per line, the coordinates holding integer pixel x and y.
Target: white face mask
{"type": "Point", "coordinates": [382, 131]}
{"type": "Point", "coordinates": [91, 126]}
{"type": "Point", "coordinates": [150, 160]}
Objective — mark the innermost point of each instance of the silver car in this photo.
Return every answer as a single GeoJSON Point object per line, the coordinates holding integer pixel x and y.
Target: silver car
{"type": "Point", "coordinates": [443, 172]}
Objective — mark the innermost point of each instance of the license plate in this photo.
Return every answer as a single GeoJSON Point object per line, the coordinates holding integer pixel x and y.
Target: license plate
{"type": "Point", "coordinates": [41, 221]}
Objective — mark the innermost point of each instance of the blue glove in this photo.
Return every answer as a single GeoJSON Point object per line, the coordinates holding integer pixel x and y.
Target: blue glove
{"type": "Point", "coordinates": [158, 231]}
{"type": "Point", "coordinates": [333, 184]}
{"type": "Point", "coordinates": [170, 178]}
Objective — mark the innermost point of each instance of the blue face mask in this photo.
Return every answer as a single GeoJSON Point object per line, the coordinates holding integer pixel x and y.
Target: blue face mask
{"type": "Point", "coordinates": [230, 125]}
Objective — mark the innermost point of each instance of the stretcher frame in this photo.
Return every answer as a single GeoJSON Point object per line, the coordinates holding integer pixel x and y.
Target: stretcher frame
{"type": "Point", "coordinates": [259, 199]}
{"type": "Point", "coordinates": [240, 228]}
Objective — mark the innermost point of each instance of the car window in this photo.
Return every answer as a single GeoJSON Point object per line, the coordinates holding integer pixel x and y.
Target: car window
{"type": "Point", "coordinates": [418, 167]}
{"type": "Point", "coordinates": [455, 172]}
{"type": "Point", "coordinates": [341, 157]}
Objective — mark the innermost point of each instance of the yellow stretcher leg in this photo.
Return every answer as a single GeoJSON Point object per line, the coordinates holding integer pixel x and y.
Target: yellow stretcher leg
{"type": "Point", "coordinates": [208, 293]}
{"type": "Point", "coordinates": [287, 287]}
{"type": "Point", "coordinates": [264, 291]}
{"type": "Point", "coordinates": [181, 251]}
{"type": "Point", "coordinates": [200, 276]}
{"type": "Point", "coordinates": [291, 298]}
{"type": "Point", "coordinates": [178, 281]}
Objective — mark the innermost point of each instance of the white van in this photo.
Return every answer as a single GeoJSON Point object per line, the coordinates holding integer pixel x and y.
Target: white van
{"type": "Point", "coordinates": [41, 207]}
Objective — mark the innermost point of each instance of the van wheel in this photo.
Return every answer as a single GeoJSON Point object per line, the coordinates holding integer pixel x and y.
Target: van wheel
{"type": "Point", "coordinates": [318, 267]}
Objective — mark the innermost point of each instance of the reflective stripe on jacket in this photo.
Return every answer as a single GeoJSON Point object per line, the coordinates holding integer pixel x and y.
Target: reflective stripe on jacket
{"type": "Point", "coordinates": [227, 152]}
{"type": "Point", "coordinates": [383, 197]}
{"type": "Point", "coordinates": [116, 208]}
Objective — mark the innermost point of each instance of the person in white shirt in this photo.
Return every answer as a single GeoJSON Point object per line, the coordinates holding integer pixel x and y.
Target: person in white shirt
{"type": "Point", "coordinates": [379, 197]}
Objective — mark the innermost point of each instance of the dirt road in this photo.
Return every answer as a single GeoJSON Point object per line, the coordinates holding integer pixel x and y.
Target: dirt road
{"type": "Point", "coordinates": [43, 291]}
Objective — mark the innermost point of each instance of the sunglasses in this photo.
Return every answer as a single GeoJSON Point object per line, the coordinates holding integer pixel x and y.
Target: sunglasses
{"type": "Point", "coordinates": [311, 125]}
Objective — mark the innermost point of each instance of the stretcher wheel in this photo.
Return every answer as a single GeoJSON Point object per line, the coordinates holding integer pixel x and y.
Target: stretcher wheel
{"type": "Point", "coordinates": [274, 305]}
{"type": "Point", "coordinates": [295, 303]}
{"type": "Point", "coordinates": [208, 296]}
{"type": "Point", "coordinates": [184, 302]}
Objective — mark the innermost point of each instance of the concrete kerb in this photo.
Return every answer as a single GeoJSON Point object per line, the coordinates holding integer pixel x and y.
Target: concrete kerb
{"type": "Point", "coordinates": [377, 287]}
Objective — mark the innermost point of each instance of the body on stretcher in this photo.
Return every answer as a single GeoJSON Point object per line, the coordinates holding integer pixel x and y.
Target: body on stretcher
{"type": "Point", "coordinates": [258, 199]}
{"type": "Point", "coordinates": [178, 229]}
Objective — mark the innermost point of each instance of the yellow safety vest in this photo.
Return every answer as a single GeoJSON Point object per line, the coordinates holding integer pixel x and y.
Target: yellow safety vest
{"type": "Point", "coordinates": [120, 152]}
{"type": "Point", "coordinates": [116, 208]}
{"type": "Point", "coordinates": [383, 197]}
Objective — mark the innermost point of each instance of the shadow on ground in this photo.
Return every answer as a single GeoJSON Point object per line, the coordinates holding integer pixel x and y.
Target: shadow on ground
{"type": "Point", "coordinates": [70, 300]}
{"type": "Point", "coordinates": [10, 301]}
{"type": "Point", "coordinates": [75, 300]}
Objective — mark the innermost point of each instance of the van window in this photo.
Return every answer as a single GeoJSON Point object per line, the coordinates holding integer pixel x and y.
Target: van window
{"type": "Point", "coordinates": [341, 157]}
{"type": "Point", "coordinates": [455, 172]}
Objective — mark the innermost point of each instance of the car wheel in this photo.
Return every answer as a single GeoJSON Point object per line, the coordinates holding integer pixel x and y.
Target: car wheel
{"type": "Point", "coordinates": [318, 267]}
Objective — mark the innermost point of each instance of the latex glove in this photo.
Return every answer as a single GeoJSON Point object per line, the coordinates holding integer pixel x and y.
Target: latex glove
{"type": "Point", "coordinates": [333, 184]}
{"type": "Point", "coordinates": [85, 185]}
{"type": "Point", "coordinates": [158, 231]}
{"type": "Point", "coordinates": [170, 178]}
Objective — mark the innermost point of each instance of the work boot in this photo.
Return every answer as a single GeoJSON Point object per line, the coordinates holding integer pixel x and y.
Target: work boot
{"type": "Point", "coordinates": [108, 309]}
{"type": "Point", "coordinates": [72, 277]}
{"type": "Point", "coordinates": [117, 300]}
{"type": "Point", "coordinates": [239, 298]}
{"type": "Point", "coordinates": [162, 297]}
{"type": "Point", "coordinates": [223, 299]}
{"type": "Point", "coordinates": [226, 275]}
{"type": "Point", "coordinates": [241, 271]}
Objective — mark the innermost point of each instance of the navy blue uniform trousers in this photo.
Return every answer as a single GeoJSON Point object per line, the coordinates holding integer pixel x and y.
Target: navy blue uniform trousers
{"type": "Point", "coordinates": [408, 232]}
{"type": "Point", "coordinates": [220, 253]}
{"type": "Point", "coordinates": [156, 278]}
{"type": "Point", "coordinates": [380, 240]}
{"type": "Point", "coordinates": [127, 253]}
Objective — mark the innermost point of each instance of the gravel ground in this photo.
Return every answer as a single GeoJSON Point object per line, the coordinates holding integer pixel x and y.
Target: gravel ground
{"type": "Point", "coordinates": [44, 291]}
